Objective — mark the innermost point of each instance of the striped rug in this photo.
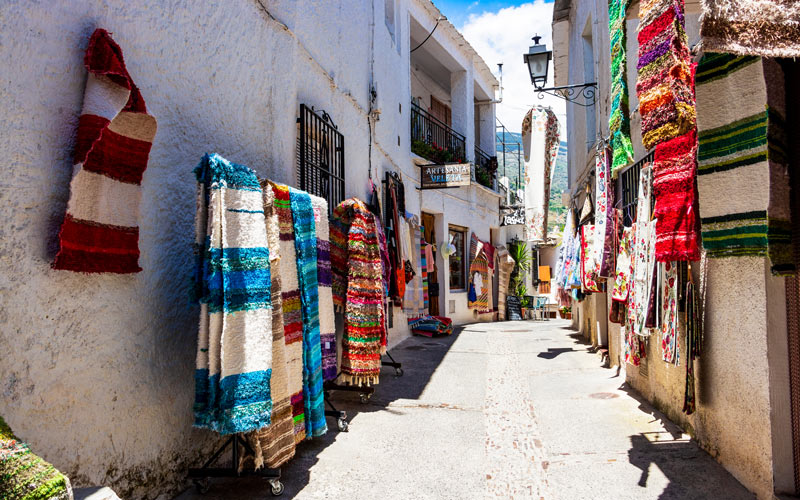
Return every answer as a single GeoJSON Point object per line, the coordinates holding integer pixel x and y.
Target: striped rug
{"type": "Point", "coordinates": [742, 174]}
{"type": "Point", "coordinates": [768, 28]}
{"type": "Point", "coordinates": [305, 242]}
{"type": "Point", "coordinates": [327, 325]}
{"type": "Point", "coordinates": [233, 287]}
{"type": "Point", "coordinates": [100, 232]}
{"type": "Point", "coordinates": [292, 313]}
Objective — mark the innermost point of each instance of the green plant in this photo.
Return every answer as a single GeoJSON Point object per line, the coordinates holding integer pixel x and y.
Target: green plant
{"type": "Point", "coordinates": [522, 263]}
{"type": "Point", "coordinates": [483, 177]}
{"type": "Point", "coordinates": [434, 152]}
{"type": "Point", "coordinates": [521, 291]}
{"type": "Point", "coordinates": [565, 309]}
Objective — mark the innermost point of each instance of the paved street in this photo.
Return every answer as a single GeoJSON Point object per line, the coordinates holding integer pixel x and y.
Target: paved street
{"type": "Point", "coordinates": [500, 410]}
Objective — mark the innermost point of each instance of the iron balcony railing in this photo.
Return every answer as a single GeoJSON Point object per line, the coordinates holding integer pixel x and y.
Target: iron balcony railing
{"type": "Point", "coordinates": [485, 169]}
{"type": "Point", "coordinates": [433, 140]}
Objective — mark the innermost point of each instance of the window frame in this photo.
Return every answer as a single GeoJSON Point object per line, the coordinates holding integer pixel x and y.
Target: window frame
{"type": "Point", "coordinates": [320, 157]}
{"type": "Point", "coordinates": [462, 232]}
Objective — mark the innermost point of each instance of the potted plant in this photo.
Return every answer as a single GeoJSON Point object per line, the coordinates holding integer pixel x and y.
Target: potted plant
{"type": "Point", "coordinates": [522, 263]}
{"type": "Point", "coordinates": [565, 312]}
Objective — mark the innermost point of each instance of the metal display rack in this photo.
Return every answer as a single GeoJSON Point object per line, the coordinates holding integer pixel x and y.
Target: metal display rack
{"type": "Point", "coordinates": [200, 476]}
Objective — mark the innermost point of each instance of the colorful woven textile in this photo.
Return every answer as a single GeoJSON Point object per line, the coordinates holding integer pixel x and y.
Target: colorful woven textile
{"type": "Point", "coordinates": [356, 264]}
{"type": "Point", "coordinates": [232, 284]}
{"type": "Point", "coordinates": [413, 303]}
{"type": "Point", "coordinates": [479, 278]}
{"type": "Point", "coordinates": [624, 272]}
{"type": "Point", "coordinates": [506, 264]}
{"type": "Point", "coordinates": [619, 121]}
{"type": "Point", "coordinates": [431, 325]}
{"type": "Point", "coordinates": [25, 476]}
{"type": "Point", "coordinates": [540, 139]}
{"type": "Point", "coordinates": [292, 309]}
{"type": "Point", "coordinates": [327, 322]}
{"type": "Point", "coordinates": [100, 232]}
{"type": "Point", "coordinates": [305, 244]}
{"type": "Point", "coordinates": [664, 80]}
{"type": "Point", "coordinates": [675, 193]}
{"type": "Point", "coordinates": [589, 264]}
{"type": "Point", "coordinates": [644, 262]}
{"type": "Point", "coordinates": [604, 215]}
{"type": "Point", "coordinates": [742, 175]}
{"type": "Point", "coordinates": [768, 28]}
{"type": "Point", "coordinates": [274, 445]}
{"type": "Point", "coordinates": [669, 312]}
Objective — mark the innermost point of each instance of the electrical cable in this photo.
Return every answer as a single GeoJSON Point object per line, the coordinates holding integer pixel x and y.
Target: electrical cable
{"type": "Point", "coordinates": [441, 18]}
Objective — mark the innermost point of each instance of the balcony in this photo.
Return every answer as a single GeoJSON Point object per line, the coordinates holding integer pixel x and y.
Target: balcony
{"type": "Point", "coordinates": [433, 140]}
{"type": "Point", "coordinates": [485, 172]}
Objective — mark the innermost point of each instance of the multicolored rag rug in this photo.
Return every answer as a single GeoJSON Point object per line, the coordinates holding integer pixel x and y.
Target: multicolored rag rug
{"type": "Point", "coordinates": [743, 178]}
{"type": "Point", "coordinates": [25, 476]}
{"type": "Point", "coordinates": [292, 309]}
{"type": "Point", "coordinates": [305, 244]}
{"type": "Point", "coordinates": [233, 286]}
{"type": "Point", "coordinates": [604, 214]}
{"type": "Point", "coordinates": [327, 322]}
{"type": "Point", "coordinates": [768, 28]}
{"type": "Point", "coordinates": [675, 194]}
{"type": "Point", "coordinates": [274, 445]}
{"type": "Point", "coordinates": [358, 290]}
{"type": "Point", "coordinates": [540, 139]}
{"type": "Point", "coordinates": [100, 232]}
{"type": "Point", "coordinates": [666, 102]}
{"type": "Point", "coordinates": [619, 121]}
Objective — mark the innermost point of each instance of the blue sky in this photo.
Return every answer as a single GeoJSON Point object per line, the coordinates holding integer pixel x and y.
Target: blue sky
{"type": "Point", "coordinates": [458, 11]}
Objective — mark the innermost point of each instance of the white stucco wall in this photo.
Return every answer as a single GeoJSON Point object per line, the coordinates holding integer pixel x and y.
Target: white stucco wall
{"type": "Point", "coordinates": [97, 370]}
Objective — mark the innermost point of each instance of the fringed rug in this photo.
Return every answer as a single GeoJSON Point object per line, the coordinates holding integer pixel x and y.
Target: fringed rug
{"type": "Point", "coordinates": [292, 311]}
{"type": "Point", "coordinates": [768, 28]}
{"type": "Point", "coordinates": [327, 323]}
{"type": "Point", "coordinates": [305, 243]}
{"type": "Point", "coordinates": [619, 122]}
{"type": "Point", "coordinates": [232, 284]}
{"type": "Point", "coordinates": [742, 174]}
{"type": "Point", "coordinates": [540, 139]}
{"type": "Point", "coordinates": [274, 445]}
{"type": "Point", "coordinates": [100, 232]}
{"type": "Point", "coordinates": [358, 290]}
{"type": "Point", "coordinates": [25, 476]}
{"type": "Point", "coordinates": [664, 79]}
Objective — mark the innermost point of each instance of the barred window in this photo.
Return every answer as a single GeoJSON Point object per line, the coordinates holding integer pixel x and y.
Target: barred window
{"type": "Point", "coordinates": [320, 156]}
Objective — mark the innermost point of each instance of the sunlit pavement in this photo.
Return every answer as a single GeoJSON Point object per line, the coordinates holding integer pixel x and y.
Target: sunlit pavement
{"type": "Point", "coordinates": [498, 410]}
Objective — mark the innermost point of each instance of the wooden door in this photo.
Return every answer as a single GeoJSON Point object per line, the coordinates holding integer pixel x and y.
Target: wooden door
{"type": "Point", "coordinates": [429, 233]}
{"type": "Point", "coordinates": [441, 111]}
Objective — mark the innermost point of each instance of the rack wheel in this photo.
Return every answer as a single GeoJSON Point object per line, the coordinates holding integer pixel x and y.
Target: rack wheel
{"type": "Point", "coordinates": [398, 372]}
{"type": "Point", "coordinates": [343, 425]}
{"type": "Point", "coordinates": [365, 398]}
{"type": "Point", "coordinates": [202, 485]}
{"type": "Point", "coordinates": [277, 487]}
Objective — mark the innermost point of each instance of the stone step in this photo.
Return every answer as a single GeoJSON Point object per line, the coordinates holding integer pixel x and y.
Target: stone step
{"type": "Point", "coordinates": [94, 493]}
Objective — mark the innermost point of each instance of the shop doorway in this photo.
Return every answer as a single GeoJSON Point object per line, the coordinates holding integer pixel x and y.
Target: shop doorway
{"type": "Point", "coordinates": [494, 239]}
{"type": "Point", "coordinates": [429, 235]}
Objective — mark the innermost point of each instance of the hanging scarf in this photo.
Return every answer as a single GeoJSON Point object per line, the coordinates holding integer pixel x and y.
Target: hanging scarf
{"type": "Point", "coordinates": [100, 232]}
{"type": "Point", "coordinates": [604, 215]}
{"type": "Point", "coordinates": [693, 345]}
{"type": "Point", "coordinates": [274, 445]}
{"type": "Point", "coordinates": [743, 180]}
{"type": "Point", "coordinates": [540, 139]}
{"type": "Point", "coordinates": [666, 101]}
{"type": "Point", "coordinates": [589, 264]}
{"type": "Point", "coordinates": [768, 28]}
{"type": "Point", "coordinates": [356, 263]}
{"type": "Point", "coordinates": [619, 122]}
{"type": "Point", "coordinates": [669, 326]}
{"type": "Point", "coordinates": [232, 284]}
{"type": "Point", "coordinates": [327, 324]}
{"type": "Point", "coordinates": [305, 242]}
{"type": "Point", "coordinates": [292, 309]}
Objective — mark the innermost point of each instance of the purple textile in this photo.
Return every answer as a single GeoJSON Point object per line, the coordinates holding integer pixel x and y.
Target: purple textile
{"type": "Point", "coordinates": [603, 182]}
{"type": "Point", "coordinates": [328, 345]}
{"type": "Point", "coordinates": [654, 54]}
{"type": "Point", "coordinates": [324, 262]}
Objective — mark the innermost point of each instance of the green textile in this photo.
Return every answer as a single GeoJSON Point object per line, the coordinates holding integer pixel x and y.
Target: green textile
{"type": "Point", "coordinates": [619, 122]}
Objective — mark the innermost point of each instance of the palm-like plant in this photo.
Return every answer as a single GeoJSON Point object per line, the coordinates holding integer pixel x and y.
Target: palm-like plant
{"type": "Point", "coordinates": [522, 263]}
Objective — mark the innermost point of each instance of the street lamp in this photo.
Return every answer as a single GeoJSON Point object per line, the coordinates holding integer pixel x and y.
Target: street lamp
{"type": "Point", "coordinates": [538, 61]}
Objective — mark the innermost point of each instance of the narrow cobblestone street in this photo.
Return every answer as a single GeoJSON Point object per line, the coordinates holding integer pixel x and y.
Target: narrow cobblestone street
{"type": "Point", "coordinates": [498, 410]}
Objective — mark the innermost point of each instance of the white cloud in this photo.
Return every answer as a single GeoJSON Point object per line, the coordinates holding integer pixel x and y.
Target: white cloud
{"type": "Point", "coordinates": [502, 37]}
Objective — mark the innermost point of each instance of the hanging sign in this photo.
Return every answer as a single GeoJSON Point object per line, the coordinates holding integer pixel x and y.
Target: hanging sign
{"type": "Point", "coordinates": [446, 176]}
{"type": "Point", "coordinates": [516, 217]}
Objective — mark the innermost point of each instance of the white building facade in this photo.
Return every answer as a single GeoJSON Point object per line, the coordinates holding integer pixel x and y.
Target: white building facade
{"type": "Point", "coordinates": [97, 369]}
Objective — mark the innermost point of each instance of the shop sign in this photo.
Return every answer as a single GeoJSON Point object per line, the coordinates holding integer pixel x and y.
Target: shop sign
{"type": "Point", "coordinates": [516, 217]}
{"type": "Point", "coordinates": [513, 308]}
{"type": "Point", "coordinates": [446, 176]}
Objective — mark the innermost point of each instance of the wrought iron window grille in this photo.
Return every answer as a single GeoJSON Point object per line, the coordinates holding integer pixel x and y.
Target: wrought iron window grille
{"type": "Point", "coordinates": [320, 156]}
